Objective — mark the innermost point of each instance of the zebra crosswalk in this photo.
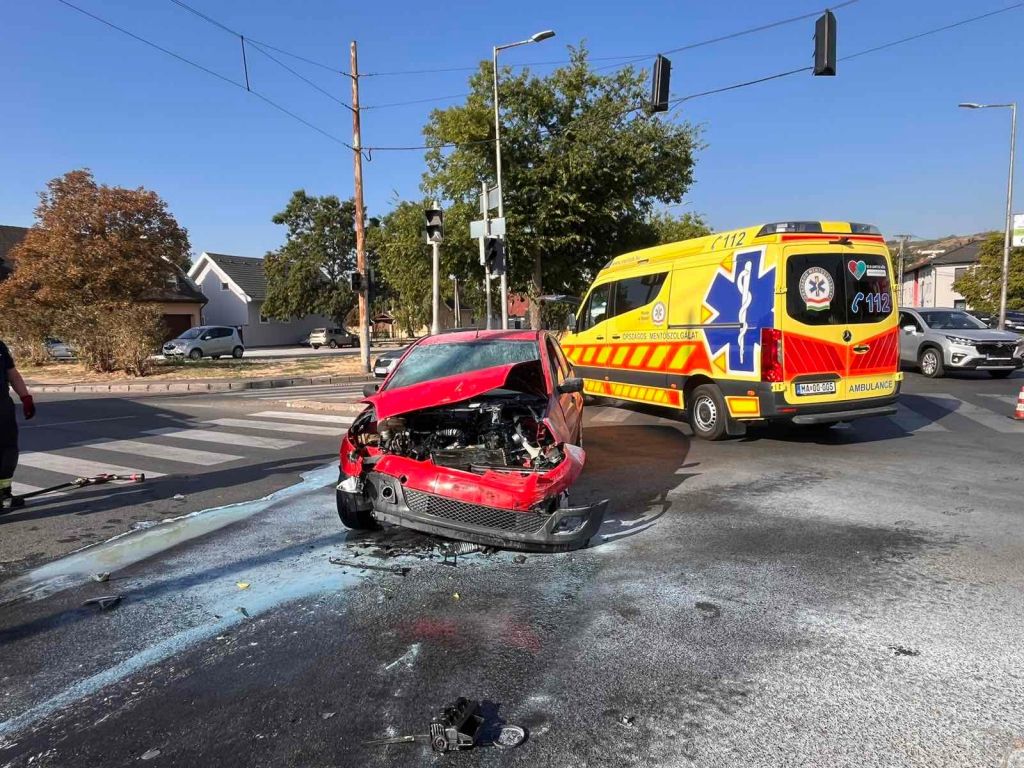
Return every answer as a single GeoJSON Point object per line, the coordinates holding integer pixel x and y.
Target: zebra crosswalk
{"type": "Point", "coordinates": [168, 450]}
{"type": "Point", "coordinates": [349, 392]}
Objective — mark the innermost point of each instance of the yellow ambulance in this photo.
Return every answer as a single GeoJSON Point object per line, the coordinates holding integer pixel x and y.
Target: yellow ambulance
{"type": "Point", "coordinates": [791, 321]}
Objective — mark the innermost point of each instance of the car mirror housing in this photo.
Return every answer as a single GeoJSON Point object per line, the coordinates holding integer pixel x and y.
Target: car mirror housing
{"type": "Point", "coordinates": [571, 385]}
{"type": "Point", "coordinates": [908, 329]}
{"type": "Point", "coordinates": [370, 388]}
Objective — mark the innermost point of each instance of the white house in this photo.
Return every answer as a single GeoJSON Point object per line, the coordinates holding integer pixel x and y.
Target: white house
{"type": "Point", "coordinates": [931, 272]}
{"type": "Point", "coordinates": [235, 287]}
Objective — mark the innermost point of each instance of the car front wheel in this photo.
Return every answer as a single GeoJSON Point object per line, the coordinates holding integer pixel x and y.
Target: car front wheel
{"type": "Point", "coordinates": [707, 413]}
{"type": "Point", "coordinates": [930, 362]}
{"type": "Point", "coordinates": [195, 354]}
{"type": "Point", "coordinates": [333, 344]}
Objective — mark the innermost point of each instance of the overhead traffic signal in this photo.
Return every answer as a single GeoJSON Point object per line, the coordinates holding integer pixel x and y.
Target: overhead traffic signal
{"type": "Point", "coordinates": [434, 225]}
{"type": "Point", "coordinates": [660, 84]}
{"type": "Point", "coordinates": [494, 255]}
{"type": "Point", "coordinates": [825, 44]}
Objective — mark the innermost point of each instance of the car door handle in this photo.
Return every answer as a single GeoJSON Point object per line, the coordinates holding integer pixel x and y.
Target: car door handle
{"type": "Point", "coordinates": [617, 336]}
{"type": "Point", "coordinates": [860, 349]}
{"type": "Point", "coordinates": [599, 338]}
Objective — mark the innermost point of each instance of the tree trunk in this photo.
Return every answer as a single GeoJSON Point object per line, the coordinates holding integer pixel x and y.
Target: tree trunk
{"type": "Point", "coordinates": [536, 285]}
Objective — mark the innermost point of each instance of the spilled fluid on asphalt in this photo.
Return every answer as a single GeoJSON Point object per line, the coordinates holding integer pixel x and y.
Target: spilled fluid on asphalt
{"type": "Point", "coordinates": [135, 546]}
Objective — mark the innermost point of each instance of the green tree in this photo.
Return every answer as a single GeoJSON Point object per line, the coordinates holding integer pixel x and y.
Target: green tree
{"type": "Point", "coordinates": [308, 275]}
{"type": "Point", "coordinates": [980, 285]}
{"type": "Point", "coordinates": [669, 229]}
{"type": "Point", "coordinates": [583, 167]}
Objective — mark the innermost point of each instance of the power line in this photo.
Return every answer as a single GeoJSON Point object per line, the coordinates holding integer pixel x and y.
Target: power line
{"type": "Point", "coordinates": [307, 81]}
{"type": "Point", "coordinates": [208, 71]}
{"type": "Point", "coordinates": [415, 101]}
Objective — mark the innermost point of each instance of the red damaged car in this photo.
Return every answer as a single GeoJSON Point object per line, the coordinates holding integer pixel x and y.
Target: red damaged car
{"type": "Point", "coordinates": [475, 435]}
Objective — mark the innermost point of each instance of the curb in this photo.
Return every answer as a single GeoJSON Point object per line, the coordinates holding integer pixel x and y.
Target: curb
{"type": "Point", "coordinates": [200, 386]}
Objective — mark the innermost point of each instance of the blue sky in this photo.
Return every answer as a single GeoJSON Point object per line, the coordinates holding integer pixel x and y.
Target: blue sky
{"type": "Point", "coordinates": [883, 142]}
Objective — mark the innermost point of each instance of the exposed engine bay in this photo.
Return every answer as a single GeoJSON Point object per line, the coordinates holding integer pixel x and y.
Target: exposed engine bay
{"type": "Point", "coordinates": [502, 430]}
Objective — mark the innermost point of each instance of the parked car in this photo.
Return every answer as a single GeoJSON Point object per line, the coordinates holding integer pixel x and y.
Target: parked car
{"type": "Point", "coordinates": [206, 341]}
{"type": "Point", "coordinates": [1015, 321]}
{"type": "Point", "coordinates": [474, 436]}
{"type": "Point", "coordinates": [939, 339]}
{"type": "Point", "coordinates": [386, 361]}
{"type": "Point", "coordinates": [332, 337]}
{"type": "Point", "coordinates": [58, 350]}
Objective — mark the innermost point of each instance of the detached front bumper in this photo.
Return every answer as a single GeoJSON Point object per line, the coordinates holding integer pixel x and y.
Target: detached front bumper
{"type": "Point", "coordinates": [390, 501]}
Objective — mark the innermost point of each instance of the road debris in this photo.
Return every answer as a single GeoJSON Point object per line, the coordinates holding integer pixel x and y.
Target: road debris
{"type": "Point", "coordinates": [708, 610]}
{"type": "Point", "coordinates": [150, 754]}
{"type": "Point", "coordinates": [900, 650]}
{"type": "Point", "coordinates": [327, 715]}
{"type": "Point", "coordinates": [242, 584]}
{"type": "Point", "coordinates": [456, 728]}
{"type": "Point", "coordinates": [456, 596]}
{"type": "Point", "coordinates": [242, 611]}
{"type": "Point", "coordinates": [510, 736]}
{"type": "Point", "coordinates": [628, 720]}
{"type": "Point", "coordinates": [104, 602]}
{"type": "Point", "coordinates": [519, 559]}
{"type": "Point", "coordinates": [398, 570]}
{"type": "Point", "coordinates": [179, 497]}
{"type": "Point", "coordinates": [101, 577]}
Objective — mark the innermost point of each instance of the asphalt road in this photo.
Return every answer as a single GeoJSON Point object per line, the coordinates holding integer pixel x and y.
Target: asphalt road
{"type": "Point", "coordinates": [849, 598]}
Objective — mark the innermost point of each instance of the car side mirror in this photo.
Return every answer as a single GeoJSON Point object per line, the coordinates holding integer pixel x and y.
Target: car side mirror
{"type": "Point", "coordinates": [909, 329]}
{"type": "Point", "coordinates": [371, 388]}
{"type": "Point", "coordinates": [206, 337]}
{"type": "Point", "coordinates": [570, 322]}
{"type": "Point", "coordinates": [571, 385]}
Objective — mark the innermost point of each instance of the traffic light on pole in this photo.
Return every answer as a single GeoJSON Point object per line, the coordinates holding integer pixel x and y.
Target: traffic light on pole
{"type": "Point", "coordinates": [494, 255]}
{"type": "Point", "coordinates": [825, 45]}
{"type": "Point", "coordinates": [434, 225]}
{"type": "Point", "coordinates": [660, 84]}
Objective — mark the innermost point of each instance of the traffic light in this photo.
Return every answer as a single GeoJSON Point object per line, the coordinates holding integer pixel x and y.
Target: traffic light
{"type": "Point", "coordinates": [356, 282]}
{"type": "Point", "coordinates": [825, 44]}
{"type": "Point", "coordinates": [660, 84]}
{"type": "Point", "coordinates": [435, 225]}
{"type": "Point", "coordinates": [494, 255]}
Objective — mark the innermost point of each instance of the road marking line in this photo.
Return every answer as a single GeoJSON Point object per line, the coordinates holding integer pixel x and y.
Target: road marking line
{"type": "Point", "coordinates": [226, 438]}
{"type": "Point", "coordinates": [1008, 399]}
{"type": "Point", "coordinates": [166, 452]}
{"type": "Point", "coordinates": [299, 416]}
{"type": "Point", "coordinates": [79, 421]}
{"type": "Point", "coordinates": [910, 420]}
{"type": "Point", "coordinates": [976, 413]}
{"type": "Point", "coordinates": [271, 426]}
{"type": "Point", "coordinates": [19, 489]}
{"type": "Point", "coordinates": [69, 465]}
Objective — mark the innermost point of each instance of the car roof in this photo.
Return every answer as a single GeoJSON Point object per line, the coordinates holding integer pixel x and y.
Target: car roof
{"type": "Point", "coordinates": [465, 337]}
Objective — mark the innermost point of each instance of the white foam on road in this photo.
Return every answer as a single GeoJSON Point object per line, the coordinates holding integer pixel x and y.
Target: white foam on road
{"type": "Point", "coordinates": [167, 452]}
{"type": "Point", "coordinates": [226, 438]}
{"type": "Point", "coordinates": [69, 465]}
{"type": "Point", "coordinates": [300, 416]}
{"type": "Point", "coordinates": [273, 426]}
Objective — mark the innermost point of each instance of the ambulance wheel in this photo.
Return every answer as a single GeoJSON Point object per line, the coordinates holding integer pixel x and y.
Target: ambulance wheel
{"type": "Point", "coordinates": [707, 413]}
{"type": "Point", "coordinates": [930, 362]}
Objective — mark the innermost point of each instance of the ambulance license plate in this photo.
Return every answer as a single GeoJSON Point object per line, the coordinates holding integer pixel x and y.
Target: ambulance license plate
{"type": "Point", "coordinates": [816, 388]}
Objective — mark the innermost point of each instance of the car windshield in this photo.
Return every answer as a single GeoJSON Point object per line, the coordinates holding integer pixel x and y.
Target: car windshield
{"type": "Point", "coordinates": [191, 333]}
{"type": "Point", "coordinates": [952, 321]}
{"type": "Point", "coordinates": [435, 361]}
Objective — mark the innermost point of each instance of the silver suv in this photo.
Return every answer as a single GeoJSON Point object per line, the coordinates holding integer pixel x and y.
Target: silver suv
{"type": "Point", "coordinates": [206, 341]}
{"type": "Point", "coordinates": [936, 339]}
{"type": "Point", "coordinates": [332, 337]}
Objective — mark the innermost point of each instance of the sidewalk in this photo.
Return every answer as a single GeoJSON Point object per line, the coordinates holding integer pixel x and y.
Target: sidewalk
{"type": "Point", "coordinates": [200, 385]}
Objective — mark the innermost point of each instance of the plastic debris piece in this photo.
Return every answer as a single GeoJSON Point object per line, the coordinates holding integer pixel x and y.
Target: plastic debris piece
{"type": "Point", "coordinates": [242, 584]}
{"type": "Point", "coordinates": [398, 570]}
{"type": "Point", "coordinates": [327, 715]}
{"type": "Point", "coordinates": [179, 497]}
{"type": "Point", "coordinates": [242, 611]}
{"type": "Point", "coordinates": [519, 559]}
{"type": "Point", "coordinates": [510, 736]}
{"type": "Point", "coordinates": [456, 596]}
{"type": "Point", "coordinates": [104, 602]}
{"type": "Point", "coordinates": [627, 720]}
{"type": "Point", "coordinates": [900, 650]}
{"type": "Point", "coordinates": [150, 754]}
{"type": "Point", "coordinates": [101, 577]}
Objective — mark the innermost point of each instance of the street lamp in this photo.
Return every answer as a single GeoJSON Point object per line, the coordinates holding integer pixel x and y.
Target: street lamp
{"type": "Point", "coordinates": [1009, 204]}
{"type": "Point", "coordinates": [535, 38]}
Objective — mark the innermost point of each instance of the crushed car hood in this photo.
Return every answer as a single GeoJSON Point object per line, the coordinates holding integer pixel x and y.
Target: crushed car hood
{"type": "Point", "coordinates": [447, 390]}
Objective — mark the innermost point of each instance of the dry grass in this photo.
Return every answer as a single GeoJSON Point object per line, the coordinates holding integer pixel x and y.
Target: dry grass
{"type": "Point", "coordinates": [75, 373]}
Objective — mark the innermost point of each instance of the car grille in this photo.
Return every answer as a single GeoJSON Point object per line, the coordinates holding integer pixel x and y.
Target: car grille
{"type": "Point", "coordinates": [1005, 349]}
{"type": "Point", "coordinates": [473, 514]}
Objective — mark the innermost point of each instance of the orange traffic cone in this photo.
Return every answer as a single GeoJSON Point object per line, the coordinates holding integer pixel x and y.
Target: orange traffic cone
{"type": "Point", "coordinates": [1019, 412]}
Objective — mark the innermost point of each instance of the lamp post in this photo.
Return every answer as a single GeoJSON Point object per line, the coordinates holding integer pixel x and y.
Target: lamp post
{"type": "Point", "coordinates": [1009, 205]}
{"type": "Point", "coordinates": [538, 37]}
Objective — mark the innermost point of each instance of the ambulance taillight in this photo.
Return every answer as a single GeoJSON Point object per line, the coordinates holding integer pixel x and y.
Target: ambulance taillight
{"type": "Point", "coordinates": [771, 355]}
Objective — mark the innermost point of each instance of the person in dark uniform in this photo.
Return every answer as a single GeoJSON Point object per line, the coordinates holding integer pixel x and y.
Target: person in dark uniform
{"type": "Point", "coordinates": [9, 377]}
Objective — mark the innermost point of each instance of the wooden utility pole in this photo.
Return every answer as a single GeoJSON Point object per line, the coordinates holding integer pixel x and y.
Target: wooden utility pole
{"type": "Point", "coordinates": [357, 151]}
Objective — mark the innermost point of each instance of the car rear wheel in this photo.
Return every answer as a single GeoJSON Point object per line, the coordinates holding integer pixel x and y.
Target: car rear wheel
{"type": "Point", "coordinates": [237, 353]}
{"type": "Point", "coordinates": [930, 362]}
{"type": "Point", "coordinates": [195, 354]}
{"type": "Point", "coordinates": [315, 346]}
{"type": "Point", "coordinates": [333, 344]}
{"type": "Point", "coordinates": [999, 374]}
{"type": "Point", "coordinates": [707, 413]}
{"type": "Point", "coordinates": [351, 516]}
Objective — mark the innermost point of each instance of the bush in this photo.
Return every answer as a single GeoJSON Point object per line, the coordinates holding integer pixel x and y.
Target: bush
{"type": "Point", "coordinates": [24, 327]}
{"type": "Point", "coordinates": [114, 336]}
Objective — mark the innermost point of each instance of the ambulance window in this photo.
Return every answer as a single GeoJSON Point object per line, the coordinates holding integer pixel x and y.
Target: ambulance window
{"type": "Point", "coordinates": [868, 292]}
{"type": "Point", "coordinates": [838, 289]}
{"type": "Point", "coordinates": [596, 308]}
{"type": "Point", "coordinates": [636, 292]}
